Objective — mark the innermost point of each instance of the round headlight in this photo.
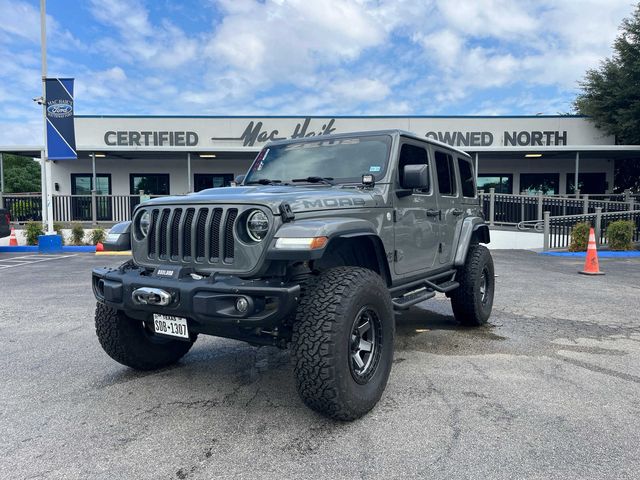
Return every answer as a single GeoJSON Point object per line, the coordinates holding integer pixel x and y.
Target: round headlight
{"type": "Point", "coordinates": [144, 223]}
{"type": "Point", "coordinates": [257, 225]}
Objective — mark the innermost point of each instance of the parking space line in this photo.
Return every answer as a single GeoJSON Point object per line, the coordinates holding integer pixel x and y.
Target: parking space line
{"type": "Point", "coordinates": [29, 259]}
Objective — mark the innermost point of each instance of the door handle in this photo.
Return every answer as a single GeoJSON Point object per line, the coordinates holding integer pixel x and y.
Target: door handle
{"type": "Point", "coordinates": [433, 213]}
{"type": "Point", "coordinates": [457, 211]}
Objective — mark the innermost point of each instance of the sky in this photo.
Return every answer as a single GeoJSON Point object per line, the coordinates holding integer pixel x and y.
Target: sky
{"type": "Point", "coordinates": [302, 57]}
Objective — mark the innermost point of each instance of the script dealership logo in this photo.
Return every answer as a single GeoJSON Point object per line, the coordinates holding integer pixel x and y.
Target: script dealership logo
{"type": "Point", "coordinates": [60, 108]}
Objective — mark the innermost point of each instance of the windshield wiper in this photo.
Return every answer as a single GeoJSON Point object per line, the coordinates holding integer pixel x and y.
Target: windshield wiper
{"type": "Point", "coordinates": [313, 179]}
{"type": "Point", "coordinates": [263, 181]}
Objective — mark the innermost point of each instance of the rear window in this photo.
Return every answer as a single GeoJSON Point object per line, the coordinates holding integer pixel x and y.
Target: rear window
{"type": "Point", "coordinates": [446, 174]}
{"type": "Point", "coordinates": [466, 178]}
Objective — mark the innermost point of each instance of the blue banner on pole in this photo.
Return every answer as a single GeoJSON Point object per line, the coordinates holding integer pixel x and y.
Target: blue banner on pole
{"type": "Point", "coordinates": [61, 137]}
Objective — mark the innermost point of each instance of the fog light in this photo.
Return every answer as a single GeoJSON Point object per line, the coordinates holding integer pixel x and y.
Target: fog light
{"type": "Point", "coordinates": [242, 305]}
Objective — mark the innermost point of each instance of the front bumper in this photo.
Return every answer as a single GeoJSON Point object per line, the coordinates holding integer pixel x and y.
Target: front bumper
{"type": "Point", "coordinates": [207, 303]}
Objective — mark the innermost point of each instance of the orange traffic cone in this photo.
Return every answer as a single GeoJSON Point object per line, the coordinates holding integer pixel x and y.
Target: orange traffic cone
{"type": "Point", "coordinates": [13, 241]}
{"type": "Point", "coordinates": [591, 266]}
{"type": "Point", "coordinates": [99, 247]}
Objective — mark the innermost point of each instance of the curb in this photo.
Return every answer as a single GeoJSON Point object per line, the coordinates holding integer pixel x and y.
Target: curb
{"type": "Point", "coordinates": [121, 252]}
{"type": "Point", "coordinates": [601, 254]}
{"type": "Point", "coordinates": [35, 249]}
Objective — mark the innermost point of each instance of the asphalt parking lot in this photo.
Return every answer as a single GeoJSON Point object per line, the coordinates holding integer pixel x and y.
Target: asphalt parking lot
{"type": "Point", "coordinates": [550, 389]}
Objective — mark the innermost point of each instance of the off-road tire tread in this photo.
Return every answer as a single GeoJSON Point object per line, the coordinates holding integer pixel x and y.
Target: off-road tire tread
{"type": "Point", "coordinates": [314, 337]}
{"type": "Point", "coordinates": [463, 299]}
{"type": "Point", "coordinates": [123, 340]}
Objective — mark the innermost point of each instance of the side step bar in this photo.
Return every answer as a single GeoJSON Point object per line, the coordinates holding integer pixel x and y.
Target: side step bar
{"type": "Point", "coordinates": [443, 287]}
{"type": "Point", "coordinates": [425, 290]}
{"type": "Point", "coordinates": [410, 299]}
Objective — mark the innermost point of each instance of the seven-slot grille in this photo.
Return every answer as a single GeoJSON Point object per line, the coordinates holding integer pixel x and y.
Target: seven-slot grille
{"type": "Point", "coordinates": [192, 234]}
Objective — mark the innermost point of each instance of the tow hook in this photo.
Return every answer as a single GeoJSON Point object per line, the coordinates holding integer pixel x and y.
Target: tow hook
{"type": "Point", "coordinates": [151, 296]}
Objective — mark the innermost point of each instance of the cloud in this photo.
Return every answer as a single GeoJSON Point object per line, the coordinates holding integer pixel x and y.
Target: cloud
{"type": "Point", "coordinates": [483, 44]}
{"type": "Point", "coordinates": [21, 21]}
{"type": "Point", "coordinates": [275, 40]}
{"type": "Point", "coordinates": [138, 40]}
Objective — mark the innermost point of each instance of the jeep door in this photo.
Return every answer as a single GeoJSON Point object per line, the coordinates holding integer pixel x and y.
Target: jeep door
{"type": "Point", "coordinates": [449, 203]}
{"type": "Point", "coordinates": [416, 214]}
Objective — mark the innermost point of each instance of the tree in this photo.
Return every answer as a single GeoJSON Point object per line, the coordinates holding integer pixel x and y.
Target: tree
{"type": "Point", "coordinates": [21, 174]}
{"type": "Point", "coordinates": [611, 96]}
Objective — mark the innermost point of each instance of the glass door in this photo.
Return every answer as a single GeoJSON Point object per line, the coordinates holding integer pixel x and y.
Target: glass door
{"type": "Point", "coordinates": [151, 183]}
{"type": "Point", "coordinates": [202, 181]}
{"type": "Point", "coordinates": [81, 185]}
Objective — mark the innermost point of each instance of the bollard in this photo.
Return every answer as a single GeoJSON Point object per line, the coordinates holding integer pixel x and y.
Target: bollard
{"type": "Point", "coordinates": [585, 204]}
{"type": "Point", "coordinates": [94, 208]}
{"type": "Point", "coordinates": [539, 205]}
{"type": "Point", "coordinates": [598, 226]}
{"type": "Point", "coordinates": [546, 231]}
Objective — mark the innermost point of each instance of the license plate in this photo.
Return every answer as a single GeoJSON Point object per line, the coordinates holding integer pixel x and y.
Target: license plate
{"type": "Point", "coordinates": [170, 325]}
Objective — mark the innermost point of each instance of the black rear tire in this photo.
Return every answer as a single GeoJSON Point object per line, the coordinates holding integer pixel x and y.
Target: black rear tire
{"type": "Point", "coordinates": [472, 301]}
{"type": "Point", "coordinates": [128, 341]}
{"type": "Point", "coordinates": [343, 342]}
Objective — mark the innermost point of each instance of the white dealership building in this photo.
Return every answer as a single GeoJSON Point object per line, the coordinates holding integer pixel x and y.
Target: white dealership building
{"type": "Point", "coordinates": [180, 154]}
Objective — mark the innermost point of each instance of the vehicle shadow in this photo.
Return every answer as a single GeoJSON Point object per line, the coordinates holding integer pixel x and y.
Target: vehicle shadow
{"type": "Point", "coordinates": [220, 372]}
{"type": "Point", "coordinates": [439, 332]}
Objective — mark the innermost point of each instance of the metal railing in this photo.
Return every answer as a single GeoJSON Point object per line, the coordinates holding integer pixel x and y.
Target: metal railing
{"type": "Point", "coordinates": [507, 209]}
{"type": "Point", "coordinates": [557, 230]}
{"type": "Point", "coordinates": [74, 208]}
{"type": "Point", "coordinates": [23, 207]}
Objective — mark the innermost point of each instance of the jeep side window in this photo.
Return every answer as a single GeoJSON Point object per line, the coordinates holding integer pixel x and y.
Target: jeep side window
{"type": "Point", "coordinates": [446, 174]}
{"type": "Point", "coordinates": [412, 155]}
{"type": "Point", "coordinates": [466, 178]}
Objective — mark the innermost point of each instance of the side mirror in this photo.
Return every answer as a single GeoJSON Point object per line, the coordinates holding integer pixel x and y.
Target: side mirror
{"type": "Point", "coordinates": [119, 237]}
{"type": "Point", "coordinates": [239, 179]}
{"type": "Point", "coordinates": [415, 176]}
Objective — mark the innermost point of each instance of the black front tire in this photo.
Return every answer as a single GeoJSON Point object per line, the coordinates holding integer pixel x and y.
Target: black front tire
{"type": "Point", "coordinates": [128, 341]}
{"type": "Point", "coordinates": [343, 342]}
{"type": "Point", "coordinates": [472, 301]}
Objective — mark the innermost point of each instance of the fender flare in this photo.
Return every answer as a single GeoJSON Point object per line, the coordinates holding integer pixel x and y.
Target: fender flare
{"type": "Point", "coordinates": [334, 228]}
{"type": "Point", "coordinates": [472, 228]}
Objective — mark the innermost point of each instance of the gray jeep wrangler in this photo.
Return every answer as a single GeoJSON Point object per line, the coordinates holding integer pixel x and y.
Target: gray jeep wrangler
{"type": "Point", "coordinates": [317, 246]}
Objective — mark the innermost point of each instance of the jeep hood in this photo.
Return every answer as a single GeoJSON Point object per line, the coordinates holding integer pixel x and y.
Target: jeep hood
{"type": "Point", "coordinates": [300, 198]}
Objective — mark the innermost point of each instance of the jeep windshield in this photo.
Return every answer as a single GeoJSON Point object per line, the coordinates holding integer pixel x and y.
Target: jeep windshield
{"type": "Point", "coordinates": [336, 160]}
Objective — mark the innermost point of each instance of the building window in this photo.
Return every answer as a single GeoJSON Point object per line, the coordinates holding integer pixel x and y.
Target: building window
{"type": "Point", "coordinates": [81, 186]}
{"type": "Point", "coordinates": [151, 183]}
{"type": "Point", "coordinates": [546, 183]}
{"type": "Point", "coordinates": [589, 183]}
{"type": "Point", "coordinates": [503, 183]}
{"type": "Point", "coordinates": [202, 181]}
{"type": "Point", "coordinates": [446, 174]}
{"type": "Point", "coordinates": [466, 178]}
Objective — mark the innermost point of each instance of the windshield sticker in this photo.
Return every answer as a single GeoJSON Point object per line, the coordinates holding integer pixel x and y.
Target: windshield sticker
{"type": "Point", "coordinates": [260, 160]}
{"type": "Point", "coordinates": [375, 168]}
{"type": "Point", "coordinates": [325, 143]}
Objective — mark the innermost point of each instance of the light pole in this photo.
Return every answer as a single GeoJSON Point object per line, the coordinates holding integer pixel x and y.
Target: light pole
{"type": "Point", "coordinates": [47, 186]}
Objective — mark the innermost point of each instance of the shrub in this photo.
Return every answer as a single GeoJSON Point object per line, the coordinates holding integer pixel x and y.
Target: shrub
{"type": "Point", "coordinates": [57, 227]}
{"type": "Point", "coordinates": [32, 231]}
{"type": "Point", "coordinates": [77, 234]}
{"type": "Point", "coordinates": [98, 235]}
{"type": "Point", "coordinates": [579, 237]}
{"type": "Point", "coordinates": [620, 234]}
